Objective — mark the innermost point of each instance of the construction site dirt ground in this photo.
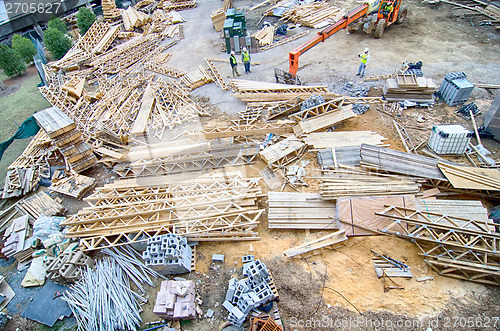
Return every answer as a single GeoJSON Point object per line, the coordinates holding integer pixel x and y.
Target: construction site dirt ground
{"type": "Point", "coordinates": [339, 290]}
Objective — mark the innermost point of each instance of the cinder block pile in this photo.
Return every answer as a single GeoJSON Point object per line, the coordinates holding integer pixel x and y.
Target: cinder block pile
{"type": "Point", "coordinates": [168, 254]}
{"type": "Point", "coordinates": [68, 266]}
{"type": "Point", "coordinates": [248, 293]}
{"type": "Point", "coordinates": [175, 300]}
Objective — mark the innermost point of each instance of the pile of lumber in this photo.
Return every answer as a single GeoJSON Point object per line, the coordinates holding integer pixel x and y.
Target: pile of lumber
{"type": "Point", "coordinates": [133, 18]}
{"type": "Point", "coordinates": [195, 79]}
{"type": "Point", "coordinates": [169, 5]}
{"type": "Point", "coordinates": [20, 181]}
{"type": "Point", "coordinates": [409, 87]}
{"type": "Point", "coordinates": [324, 120]}
{"type": "Point", "coordinates": [300, 211]}
{"type": "Point", "coordinates": [338, 139]}
{"type": "Point", "coordinates": [215, 208]}
{"type": "Point", "coordinates": [62, 130]}
{"type": "Point", "coordinates": [265, 36]}
{"type": "Point", "coordinates": [98, 38]}
{"type": "Point", "coordinates": [340, 183]}
{"type": "Point", "coordinates": [40, 204]}
{"type": "Point", "coordinates": [72, 185]}
{"type": "Point", "coordinates": [74, 88]}
{"type": "Point", "coordinates": [109, 10]}
{"type": "Point", "coordinates": [316, 14]}
{"type": "Point", "coordinates": [283, 152]}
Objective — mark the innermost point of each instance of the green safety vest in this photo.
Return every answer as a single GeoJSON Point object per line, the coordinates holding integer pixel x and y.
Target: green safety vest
{"type": "Point", "coordinates": [246, 57]}
{"type": "Point", "coordinates": [364, 58]}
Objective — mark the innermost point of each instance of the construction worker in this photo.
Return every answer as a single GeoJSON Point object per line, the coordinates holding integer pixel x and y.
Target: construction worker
{"type": "Point", "coordinates": [364, 59]}
{"type": "Point", "coordinates": [245, 58]}
{"type": "Point", "coordinates": [234, 64]}
{"type": "Point", "coordinates": [387, 8]}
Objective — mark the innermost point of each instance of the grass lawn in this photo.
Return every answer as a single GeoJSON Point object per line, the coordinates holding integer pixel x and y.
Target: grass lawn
{"type": "Point", "coordinates": [18, 106]}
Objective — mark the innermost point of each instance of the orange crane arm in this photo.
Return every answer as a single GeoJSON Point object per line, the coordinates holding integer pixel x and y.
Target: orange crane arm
{"type": "Point", "coordinates": [350, 17]}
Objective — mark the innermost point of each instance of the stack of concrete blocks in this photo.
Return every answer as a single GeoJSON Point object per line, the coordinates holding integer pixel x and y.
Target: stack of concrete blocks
{"type": "Point", "coordinates": [248, 293]}
{"type": "Point", "coordinates": [68, 266]}
{"type": "Point", "coordinates": [168, 254]}
{"type": "Point", "coordinates": [176, 300]}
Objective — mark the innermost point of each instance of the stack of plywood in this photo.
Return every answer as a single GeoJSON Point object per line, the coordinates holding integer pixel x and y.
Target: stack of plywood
{"type": "Point", "coordinates": [320, 140]}
{"type": "Point", "coordinates": [300, 211]}
{"type": "Point", "coordinates": [409, 87]}
{"type": "Point", "coordinates": [62, 130]}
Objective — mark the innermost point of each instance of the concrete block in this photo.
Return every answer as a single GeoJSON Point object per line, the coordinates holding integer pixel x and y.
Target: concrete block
{"type": "Point", "coordinates": [248, 258]}
{"type": "Point", "coordinates": [228, 305]}
{"type": "Point", "coordinates": [233, 284]}
{"type": "Point", "coordinates": [209, 314]}
{"type": "Point", "coordinates": [217, 257]}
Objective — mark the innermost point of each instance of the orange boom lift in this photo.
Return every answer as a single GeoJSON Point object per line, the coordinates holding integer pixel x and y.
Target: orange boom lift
{"type": "Point", "coordinates": [372, 16]}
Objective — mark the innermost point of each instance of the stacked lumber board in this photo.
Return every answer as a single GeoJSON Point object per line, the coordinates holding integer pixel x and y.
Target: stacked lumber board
{"type": "Point", "coordinates": [390, 160]}
{"type": "Point", "coordinates": [343, 139]}
{"type": "Point", "coordinates": [265, 36]}
{"type": "Point", "coordinates": [324, 121]}
{"type": "Point", "coordinates": [15, 237]}
{"type": "Point", "coordinates": [470, 209]}
{"type": "Point", "coordinates": [409, 87]}
{"type": "Point", "coordinates": [453, 246]}
{"type": "Point", "coordinates": [300, 211]}
{"type": "Point", "coordinates": [133, 18]}
{"type": "Point", "coordinates": [195, 79]}
{"type": "Point", "coordinates": [316, 14]}
{"type": "Point", "coordinates": [340, 183]}
{"type": "Point", "coordinates": [109, 10]}
{"type": "Point", "coordinates": [465, 177]}
{"type": "Point", "coordinates": [213, 209]}
{"type": "Point", "coordinates": [62, 130]}
{"type": "Point", "coordinates": [283, 152]}
{"type": "Point", "coordinates": [318, 246]}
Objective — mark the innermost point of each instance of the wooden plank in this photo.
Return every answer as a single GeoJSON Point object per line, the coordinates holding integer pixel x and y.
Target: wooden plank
{"type": "Point", "coordinates": [325, 242]}
{"type": "Point", "coordinates": [324, 121]}
{"type": "Point", "coordinates": [142, 118]}
{"type": "Point", "coordinates": [465, 177]}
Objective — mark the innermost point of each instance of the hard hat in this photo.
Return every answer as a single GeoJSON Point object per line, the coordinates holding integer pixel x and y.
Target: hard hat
{"type": "Point", "coordinates": [367, 50]}
{"type": "Point", "coordinates": [244, 49]}
{"type": "Point", "coordinates": [232, 53]}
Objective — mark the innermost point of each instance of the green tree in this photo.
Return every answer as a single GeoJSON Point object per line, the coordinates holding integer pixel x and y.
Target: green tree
{"type": "Point", "coordinates": [58, 24]}
{"type": "Point", "coordinates": [57, 42]}
{"type": "Point", "coordinates": [84, 19]}
{"type": "Point", "coordinates": [24, 47]}
{"type": "Point", "coordinates": [10, 61]}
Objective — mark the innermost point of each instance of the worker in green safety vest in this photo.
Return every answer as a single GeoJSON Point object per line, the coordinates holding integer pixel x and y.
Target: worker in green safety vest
{"type": "Point", "coordinates": [245, 58]}
{"type": "Point", "coordinates": [364, 59]}
{"type": "Point", "coordinates": [387, 8]}
{"type": "Point", "coordinates": [234, 64]}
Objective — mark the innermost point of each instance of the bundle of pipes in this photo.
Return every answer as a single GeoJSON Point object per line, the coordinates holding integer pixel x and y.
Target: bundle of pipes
{"type": "Point", "coordinates": [103, 300]}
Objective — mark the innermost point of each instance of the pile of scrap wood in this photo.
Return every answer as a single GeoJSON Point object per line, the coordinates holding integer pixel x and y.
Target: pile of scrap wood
{"type": "Point", "coordinates": [316, 14]}
{"type": "Point", "coordinates": [109, 10]}
{"type": "Point", "coordinates": [16, 237]}
{"type": "Point", "coordinates": [409, 87]}
{"type": "Point", "coordinates": [73, 185]}
{"type": "Point", "coordinates": [78, 155]}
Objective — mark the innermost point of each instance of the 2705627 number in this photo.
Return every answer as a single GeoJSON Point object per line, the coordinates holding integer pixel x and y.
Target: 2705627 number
{"type": "Point", "coordinates": [16, 8]}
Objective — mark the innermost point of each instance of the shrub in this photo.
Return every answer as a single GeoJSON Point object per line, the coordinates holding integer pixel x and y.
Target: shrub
{"type": "Point", "coordinates": [58, 24]}
{"type": "Point", "coordinates": [57, 42]}
{"type": "Point", "coordinates": [10, 61]}
{"type": "Point", "coordinates": [24, 47]}
{"type": "Point", "coordinates": [84, 19]}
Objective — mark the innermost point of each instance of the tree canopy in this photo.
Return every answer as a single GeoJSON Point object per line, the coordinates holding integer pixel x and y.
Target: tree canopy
{"type": "Point", "coordinates": [84, 19]}
{"type": "Point", "coordinates": [57, 42]}
{"type": "Point", "coordinates": [10, 61]}
{"type": "Point", "coordinates": [58, 24]}
{"type": "Point", "coordinates": [24, 47]}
